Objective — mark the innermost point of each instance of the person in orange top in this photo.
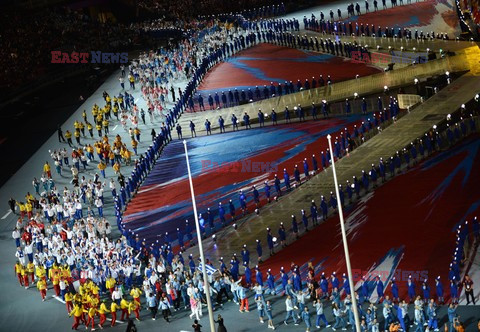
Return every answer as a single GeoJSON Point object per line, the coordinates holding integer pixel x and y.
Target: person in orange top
{"type": "Point", "coordinates": [42, 287]}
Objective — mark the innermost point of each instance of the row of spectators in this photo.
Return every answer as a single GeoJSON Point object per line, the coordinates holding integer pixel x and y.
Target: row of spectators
{"type": "Point", "coordinates": [190, 8]}
{"type": "Point", "coordinates": [29, 38]}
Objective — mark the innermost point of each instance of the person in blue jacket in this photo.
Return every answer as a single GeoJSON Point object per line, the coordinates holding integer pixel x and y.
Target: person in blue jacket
{"type": "Point", "coordinates": [273, 116]}
{"type": "Point", "coordinates": [270, 241]}
{"type": "Point", "coordinates": [380, 289]}
{"type": "Point", "coordinates": [426, 291]}
{"type": "Point", "coordinates": [210, 101]}
{"type": "Point", "coordinates": [287, 115]}
{"type": "Point", "coordinates": [294, 226]}
{"type": "Point", "coordinates": [314, 163]}
{"type": "Point", "coordinates": [439, 290]}
{"type": "Point", "coordinates": [243, 202]}
{"type": "Point", "coordinates": [394, 287]}
{"type": "Point", "coordinates": [208, 127]}
{"type": "Point", "coordinates": [282, 235]}
{"type": "Point", "coordinates": [304, 220]}
{"type": "Point", "coordinates": [266, 188]}
{"type": "Point", "coordinates": [234, 122]}
{"type": "Point", "coordinates": [192, 129]}
{"type": "Point", "coordinates": [246, 121]}
{"type": "Point", "coordinates": [305, 169]}
{"type": "Point", "coordinates": [259, 250]}
{"type": "Point", "coordinates": [256, 196]}
{"type": "Point", "coordinates": [277, 185]}
{"type": "Point", "coordinates": [324, 207]}
{"type": "Point", "coordinates": [296, 175]}
{"type": "Point", "coordinates": [411, 288]}
{"type": "Point", "coordinates": [188, 233]}
{"type": "Point", "coordinates": [221, 124]}
{"type": "Point", "coordinates": [221, 213]}
{"type": "Point", "coordinates": [231, 208]}
{"type": "Point", "coordinates": [261, 118]}
{"type": "Point", "coordinates": [270, 282]}
{"type": "Point", "coordinates": [286, 178]}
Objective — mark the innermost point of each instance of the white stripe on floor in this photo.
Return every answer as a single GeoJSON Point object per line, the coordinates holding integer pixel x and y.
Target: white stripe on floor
{"type": "Point", "coordinates": [7, 214]}
{"type": "Point", "coordinates": [118, 321]}
{"type": "Point", "coordinates": [114, 127]}
{"type": "Point", "coordinates": [58, 299]}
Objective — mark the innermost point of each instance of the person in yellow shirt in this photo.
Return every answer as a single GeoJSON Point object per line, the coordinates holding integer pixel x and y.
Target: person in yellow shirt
{"type": "Point", "coordinates": [69, 301]}
{"type": "Point", "coordinates": [66, 271]}
{"type": "Point", "coordinates": [30, 271]}
{"type": "Point", "coordinates": [94, 113]}
{"type": "Point", "coordinates": [21, 207]}
{"type": "Point", "coordinates": [113, 311]}
{"type": "Point", "coordinates": [42, 287]}
{"type": "Point", "coordinates": [91, 312]}
{"type": "Point", "coordinates": [84, 115]}
{"type": "Point", "coordinates": [136, 132]}
{"type": "Point", "coordinates": [128, 157]}
{"type": "Point", "coordinates": [134, 145]}
{"type": "Point", "coordinates": [81, 127]}
{"type": "Point", "coordinates": [110, 284]}
{"type": "Point", "coordinates": [68, 136]}
{"type": "Point", "coordinates": [40, 272]}
{"type": "Point", "coordinates": [115, 111]}
{"type": "Point", "coordinates": [135, 307]}
{"type": "Point", "coordinates": [105, 124]}
{"type": "Point", "coordinates": [29, 198]}
{"type": "Point", "coordinates": [47, 169]}
{"type": "Point", "coordinates": [77, 313]}
{"type": "Point", "coordinates": [56, 281]}
{"type": "Point", "coordinates": [102, 313]}
{"type": "Point", "coordinates": [29, 210]}
{"type": "Point", "coordinates": [135, 293]}
{"type": "Point", "coordinates": [24, 274]}
{"type": "Point", "coordinates": [76, 133]}
{"type": "Point", "coordinates": [99, 128]}
{"type": "Point", "coordinates": [89, 128]}
{"type": "Point", "coordinates": [101, 166]}
{"type": "Point", "coordinates": [116, 167]}
{"type": "Point", "coordinates": [111, 157]}
{"type": "Point", "coordinates": [77, 298]}
{"type": "Point", "coordinates": [95, 291]}
{"type": "Point", "coordinates": [124, 305]}
{"type": "Point", "coordinates": [132, 81]}
{"type": "Point", "coordinates": [18, 270]}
